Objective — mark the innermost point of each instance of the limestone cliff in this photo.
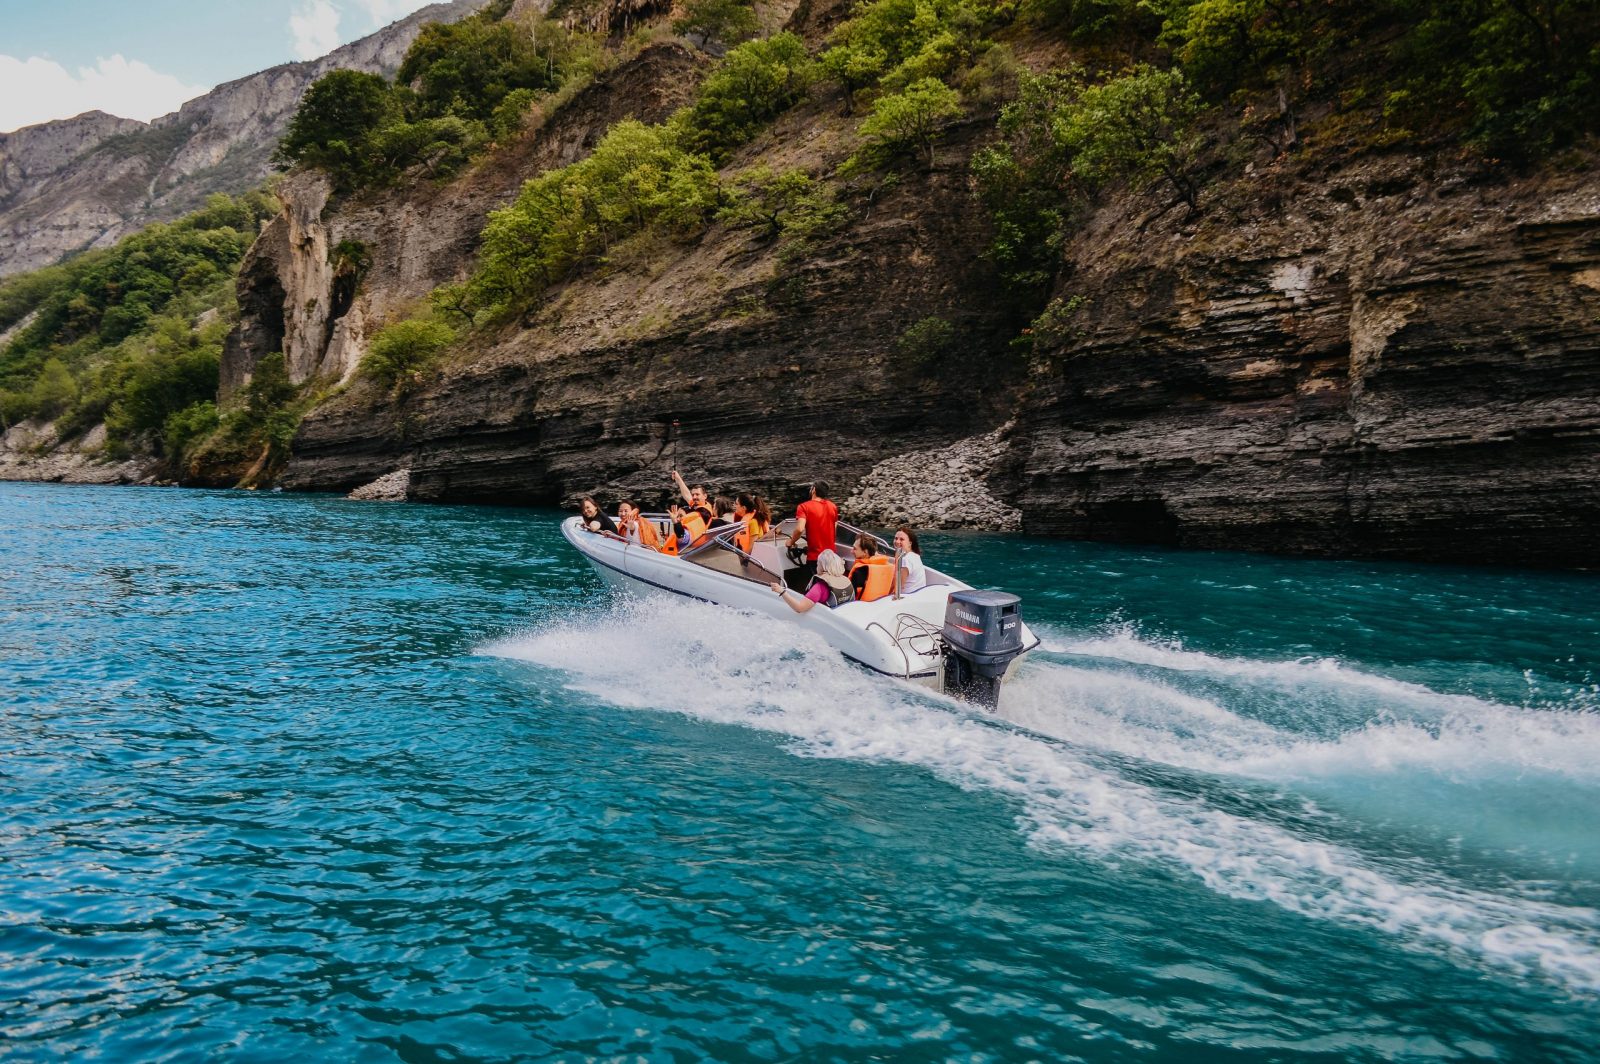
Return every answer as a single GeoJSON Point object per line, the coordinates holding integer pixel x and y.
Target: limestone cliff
{"type": "Point", "coordinates": [87, 181]}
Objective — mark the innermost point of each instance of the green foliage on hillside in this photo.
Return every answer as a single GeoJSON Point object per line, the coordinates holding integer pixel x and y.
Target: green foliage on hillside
{"type": "Point", "coordinates": [460, 86]}
{"type": "Point", "coordinates": [128, 334]}
{"type": "Point", "coordinates": [720, 21]}
{"type": "Point", "coordinates": [402, 350]}
{"type": "Point", "coordinates": [897, 42]}
{"type": "Point", "coordinates": [755, 83]}
{"type": "Point", "coordinates": [910, 121]}
{"type": "Point", "coordinates": [638, 177]}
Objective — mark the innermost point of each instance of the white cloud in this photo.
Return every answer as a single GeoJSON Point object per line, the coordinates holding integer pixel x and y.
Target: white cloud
{"type": "Point", "coordinates": [37, 89]}
{"type": "Point", "coordinates": [383, 12]}
{"type": "Point", "coordinates": [315, 29]}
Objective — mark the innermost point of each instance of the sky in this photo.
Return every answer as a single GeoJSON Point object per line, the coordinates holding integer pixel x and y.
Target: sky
{"type": "Point", "coordinates": [142, 58]}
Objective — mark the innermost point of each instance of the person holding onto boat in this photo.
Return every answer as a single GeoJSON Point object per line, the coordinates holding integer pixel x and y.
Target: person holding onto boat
{"type": "Point", "coordinates": [909, 572]}
{"type": "Point", "coordinates": [595, 519]}
{"type": "Point", "coordinates": [814, 522]}
{"type": "Point", "coordinates": [829, 588]}
{"type": "Point", "coordinates": [872, 575]}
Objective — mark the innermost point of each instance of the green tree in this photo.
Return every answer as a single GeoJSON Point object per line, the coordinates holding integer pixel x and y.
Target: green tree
{"type": "Point", "coordinates": [718, 21]}
{"type": "Point", "coordinates": [1138, 128]}
{"type": "Point", "coordinates": [54, 391]}
{"type": "Point", "coordinates": [404, 349]}
{"type": "Point", "coordinates": [789, 204]}
{"type": "Point", "coordinates": [755, 83]}
{"type": "Point", "coordinates": [467, 68]}
{"type": "Point", "coordinates": [912, 120]}
{"type": "Point", "coordinates": [335, 122]}
{"type": "Point", "coordinates": [1025, 179]}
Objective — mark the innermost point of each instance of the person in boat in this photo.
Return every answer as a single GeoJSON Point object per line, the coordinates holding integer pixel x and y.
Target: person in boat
{"type": "Point", "coordinates": [910, 574]}
{"type": "Point", "coordinates": [872, 575]}
{"type": "Point", "coordinates": [637, 529]}
{"type": "Point", "coordinates": [723, 509]}
{"type": "Point", "coordinates": [695, 498]}
{"type": "Point", "coordinates": [688, 525]}
{"type": "Point", "coordinates": [756, 516]}
{"type": "Point", "coordinates": [594, 518]}
{"type": "Point", "coordinates": [830, 587]}
{"type": "Point", "coordinates": [814, 522]}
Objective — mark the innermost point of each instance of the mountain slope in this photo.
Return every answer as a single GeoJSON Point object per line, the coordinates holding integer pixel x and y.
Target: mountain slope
{"type": "Point", "coordinates": [90, 180]}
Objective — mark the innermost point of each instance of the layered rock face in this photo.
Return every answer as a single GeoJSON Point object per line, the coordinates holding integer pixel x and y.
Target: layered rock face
{"type": "Point", "coordinates": [91, 180]}
{"type": "Point", "coordinates": [719, 356]}
{"type": "Point", "coordinates": [1383, 363]}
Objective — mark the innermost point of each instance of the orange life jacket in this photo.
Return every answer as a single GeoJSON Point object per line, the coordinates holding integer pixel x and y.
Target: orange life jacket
{"type": "Point", "coordinates": [695, 525]}
{"type": "Point", "coordinates": [752, 531]}
{"type": "Point", "coordinates": [880, 578]}
{"type": "Point", "coordinates": [667, 544]}
{"type": "Point", "coordinates": [648, 536]}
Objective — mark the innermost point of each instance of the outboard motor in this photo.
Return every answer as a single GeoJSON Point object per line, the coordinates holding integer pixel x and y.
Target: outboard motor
{"type": "Point", "coordinates": [982, 636]}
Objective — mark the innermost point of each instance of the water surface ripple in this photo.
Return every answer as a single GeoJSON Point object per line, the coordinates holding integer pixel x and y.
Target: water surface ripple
{"type": "Point", "coordinates": [291, 775]}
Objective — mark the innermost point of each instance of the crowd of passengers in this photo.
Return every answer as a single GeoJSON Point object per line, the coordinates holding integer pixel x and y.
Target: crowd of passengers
{"type": "Point", "coordinates": [821, 579]}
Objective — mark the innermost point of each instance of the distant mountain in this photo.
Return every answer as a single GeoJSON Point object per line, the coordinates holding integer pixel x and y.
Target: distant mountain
{"type": "Point", "coordinates": [87, 181]}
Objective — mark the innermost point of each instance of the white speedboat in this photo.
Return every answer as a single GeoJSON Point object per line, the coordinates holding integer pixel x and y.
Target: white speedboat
{"type": "Point", "coordinates": [948, 635]}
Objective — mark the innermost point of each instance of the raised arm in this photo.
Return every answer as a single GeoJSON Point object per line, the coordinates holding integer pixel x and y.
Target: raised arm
{"type": "Point", "coordinates": [683, 489]}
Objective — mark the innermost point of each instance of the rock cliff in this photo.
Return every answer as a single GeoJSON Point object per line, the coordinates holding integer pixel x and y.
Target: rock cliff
{"type": "Point", "coordinates": [87, 181]}
{"type": "Point", "coordinates": [1370, 353]}
{"type": "Point", "coordinates": [1377, 358]}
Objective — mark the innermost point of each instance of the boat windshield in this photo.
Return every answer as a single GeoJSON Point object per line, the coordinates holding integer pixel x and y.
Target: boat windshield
{"type": "Point", "coordinates": [717, 551]}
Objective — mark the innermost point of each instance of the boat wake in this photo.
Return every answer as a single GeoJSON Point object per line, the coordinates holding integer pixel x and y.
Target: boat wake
{"type": "Point", "coordinates": [1097, 738]}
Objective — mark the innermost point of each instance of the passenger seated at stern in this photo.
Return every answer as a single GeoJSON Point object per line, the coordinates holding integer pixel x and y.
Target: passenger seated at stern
{"type": "Point", "coordinates": [910, 575]}
{"type": "Point", "coordinates": [831, 587]}
{"type": "Point", "coordinates": [594, 519]}
{"type": "Point", "coordinates": [872, 575]}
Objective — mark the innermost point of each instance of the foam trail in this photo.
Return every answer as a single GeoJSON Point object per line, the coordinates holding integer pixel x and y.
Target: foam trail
{"type": "Point", "coordinates": [1410, 727]}
{"type": "Point", "coordinates": [760, 673]}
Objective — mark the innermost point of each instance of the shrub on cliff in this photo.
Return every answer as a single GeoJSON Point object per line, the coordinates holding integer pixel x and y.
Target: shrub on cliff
{"type": "Point", "coordinates": [788, 204]}
{"type": "Point", "coordinates": [898, 42]}
{"type": "Point", "coordinates": [333, 127]}
{"type": "Point", "coordinates": [404, 349]}
{"type": "Point", "coordinates": [465, 69]}
{"type": "Point", "coordinates": [637, 176]}
{"type": "Point", "coordinates": [460, 85]}
{"type": "Point", "coordinates": [1063, 140]}
{"type": "Point", "coordinates": [755, 83]}
{"type": "Point", "coordinates": [910, 122]}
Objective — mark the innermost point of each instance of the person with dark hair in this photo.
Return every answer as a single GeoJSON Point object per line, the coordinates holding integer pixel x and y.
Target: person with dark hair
{"type": "Point", "coordinates": [814, 521]}
{"type": "Point", "coordinates": [637, 529]}
{"type": "Point", "coordinates": [872, 575]}
{"type": "Point", "coordinates": [909, 573]}
{"type": "Point", "coordinates": [695, 498]}
{"type": "Point", "coordinates": [753, 513]}
{"type": "Point", "coordinates": [723, 512]}
{"type": "Point", "coordinates": [594, 518]}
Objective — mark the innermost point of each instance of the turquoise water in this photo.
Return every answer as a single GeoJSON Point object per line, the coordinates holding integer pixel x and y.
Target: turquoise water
{"type": "Point", "coordinates": [288, 775]}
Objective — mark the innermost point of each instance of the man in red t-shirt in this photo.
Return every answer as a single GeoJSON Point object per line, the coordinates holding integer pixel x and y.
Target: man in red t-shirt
{"type": "Point", "coordinates": [814, 519]}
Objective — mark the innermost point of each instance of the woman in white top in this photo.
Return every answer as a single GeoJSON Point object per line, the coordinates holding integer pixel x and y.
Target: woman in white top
{"type": "Point", "coordinates": [908, 571]}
